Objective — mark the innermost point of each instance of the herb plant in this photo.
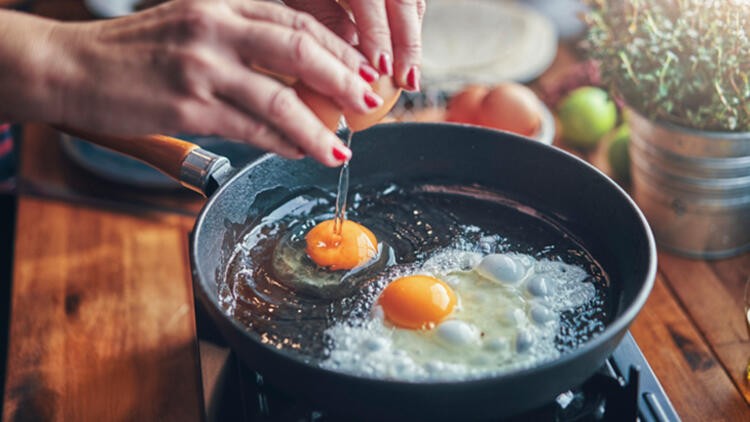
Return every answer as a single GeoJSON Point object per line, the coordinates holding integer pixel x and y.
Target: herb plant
{"type": "Point", "coordinates": [682, 61]}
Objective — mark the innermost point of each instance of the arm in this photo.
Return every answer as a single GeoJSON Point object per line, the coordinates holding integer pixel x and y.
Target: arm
{"type": "Point", "coordinates": [185, 66]}
{"type": "Point", "coordinates": [28, 89]}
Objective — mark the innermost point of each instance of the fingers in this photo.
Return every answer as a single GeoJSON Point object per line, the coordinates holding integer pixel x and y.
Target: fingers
{"type": "Point", "coordinates": [405, 22]}
{"type": "Point", "coordinates": [297, 54]}
{"type": "Point", "coordinates": [234, 123]}
{"type": "Point", "coordinates": [307, 24]}
{"type": "Point", "coordinates": [390, 36]}
{"type": "Point", "coordinates": [421, 9]}
{"type": "Point", "coordinates": [284, 112]}
{"type": "Point", "coordinates": [374, 33]}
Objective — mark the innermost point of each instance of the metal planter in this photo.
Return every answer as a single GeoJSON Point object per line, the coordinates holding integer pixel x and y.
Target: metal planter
{"type": "Point", "coordinates": [693, 186]}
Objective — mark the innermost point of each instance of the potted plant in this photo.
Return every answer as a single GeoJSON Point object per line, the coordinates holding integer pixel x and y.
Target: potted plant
{"type": "Point", "coordinates": [682, 70]}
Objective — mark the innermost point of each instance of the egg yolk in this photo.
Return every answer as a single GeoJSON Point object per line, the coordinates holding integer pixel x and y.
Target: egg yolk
{"type": "Point", "coordinates": [417, 301]}
{"type": "Point", "coordinates": [354, 246]}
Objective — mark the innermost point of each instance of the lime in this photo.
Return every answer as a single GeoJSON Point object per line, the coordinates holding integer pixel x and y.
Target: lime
{"type": "Point", "coordinates": [586, 114]}
{"type": "Point", "coordinates": [617, 153]}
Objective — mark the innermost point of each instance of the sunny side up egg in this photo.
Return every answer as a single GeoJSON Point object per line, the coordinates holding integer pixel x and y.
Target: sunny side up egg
{"type": "Point", "coordinates": [506, 314]}
{"type": "Point", "coordinates": [321, 263]}
{"type": "Point", "coordinates": [417, 301]}
{"type": "Point", "coordinates": [352, 247]}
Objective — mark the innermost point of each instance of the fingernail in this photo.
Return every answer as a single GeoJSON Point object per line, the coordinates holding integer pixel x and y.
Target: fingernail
{"type": "Point", "coordinates": [412, 78]}
{"type": "Point", "coordinates": [341, 153]}
{"type": "Point", "coordinates": [372, 100]}
{"type": "Point", "coordinates": [368, 73]}
{"type": "Point", "coordinates": [385, 64]}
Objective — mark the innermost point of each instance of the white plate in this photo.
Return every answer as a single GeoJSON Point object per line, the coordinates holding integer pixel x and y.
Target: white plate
{"type": "Point", "coordinates": [483, 41]}
{"type": "Point", "coordinates": [111, 8]}
{"type": "Point", "coordinates": [546, 133]}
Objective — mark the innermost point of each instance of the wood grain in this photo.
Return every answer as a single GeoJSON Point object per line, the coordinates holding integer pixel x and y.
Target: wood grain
{"type": "Point", "coordinates": [102, 326]}
{"type": "Point", "coordinates": [684, 363]}
{"type": "Point", "coordinates": [712, 292]}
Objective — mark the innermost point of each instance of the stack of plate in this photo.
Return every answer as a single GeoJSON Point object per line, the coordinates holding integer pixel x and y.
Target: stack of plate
{"type": "Point", "coordinates": [484, 41]}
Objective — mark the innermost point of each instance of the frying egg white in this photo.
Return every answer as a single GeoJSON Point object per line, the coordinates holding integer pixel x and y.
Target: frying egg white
{"type": "Point", "coordinates": [505, 315]}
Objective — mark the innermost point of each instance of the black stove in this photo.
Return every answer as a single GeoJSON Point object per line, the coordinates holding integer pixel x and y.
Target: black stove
{"type": "Point", "coordinates": [624, 389]}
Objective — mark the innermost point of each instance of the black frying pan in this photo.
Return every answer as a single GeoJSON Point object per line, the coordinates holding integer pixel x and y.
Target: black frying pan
{"type": "Point", "coordinates": [573, 193]}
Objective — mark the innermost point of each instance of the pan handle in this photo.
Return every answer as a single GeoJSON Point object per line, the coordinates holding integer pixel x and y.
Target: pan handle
{"type": "Point", "coordinates": [191, 165]}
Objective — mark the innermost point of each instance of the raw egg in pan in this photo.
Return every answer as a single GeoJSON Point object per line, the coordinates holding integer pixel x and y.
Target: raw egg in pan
{"type": "Point", "coordinates": [352, 246]}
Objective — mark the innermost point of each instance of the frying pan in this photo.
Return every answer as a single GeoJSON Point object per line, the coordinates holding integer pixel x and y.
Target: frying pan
{"type": "Point", "coordinates": [568, 190]}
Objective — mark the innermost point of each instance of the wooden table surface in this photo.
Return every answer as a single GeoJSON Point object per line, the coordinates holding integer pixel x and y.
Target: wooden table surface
{"type": "Point", "coordinates": [102, 324]}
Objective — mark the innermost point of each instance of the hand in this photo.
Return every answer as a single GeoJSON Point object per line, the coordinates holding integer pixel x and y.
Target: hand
{"type": "Point", "coordinates": [190, 66]}
{"type": "Point", "coordinates": [388, 32]}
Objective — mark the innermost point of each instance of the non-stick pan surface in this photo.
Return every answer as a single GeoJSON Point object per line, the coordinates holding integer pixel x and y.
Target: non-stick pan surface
{"type": "Point", "coordinates": [571, 192]}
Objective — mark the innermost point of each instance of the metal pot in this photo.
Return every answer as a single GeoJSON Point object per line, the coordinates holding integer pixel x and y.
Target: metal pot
{"type": "Point", "coordinates": [693, 186]}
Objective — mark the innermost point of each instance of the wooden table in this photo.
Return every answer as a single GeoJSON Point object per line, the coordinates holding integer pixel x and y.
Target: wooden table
{"type": "Point", "coordinates": [103, 325]}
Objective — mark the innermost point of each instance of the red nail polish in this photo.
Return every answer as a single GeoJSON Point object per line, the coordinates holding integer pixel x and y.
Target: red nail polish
{"type": "Point", "coordinates": [384, 62]}
{"type": "Point", "coordinates": [412, 78]}
{"type": "Point", "coordinates": [372, 100]}
{"type": "Point", "coordinates": [368, 73]}
{"type": "Point", "coordinates": [341, 153]}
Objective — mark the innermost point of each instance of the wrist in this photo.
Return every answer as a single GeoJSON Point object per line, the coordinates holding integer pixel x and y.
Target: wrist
{"type": "Point", "coordinates": [55, 72]}
{"type": "Point", "coordinates": [36, 68]}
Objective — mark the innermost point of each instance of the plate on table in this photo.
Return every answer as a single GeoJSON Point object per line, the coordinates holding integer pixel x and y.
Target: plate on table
{"type": "Point", "coordinates": [484, 42]}
{"type": "Point", "coordinates": [118, 168]}
{"type": "Point", "coordinates": [546, 132]}
{"type": "Point", "coordinates": [111, 8]}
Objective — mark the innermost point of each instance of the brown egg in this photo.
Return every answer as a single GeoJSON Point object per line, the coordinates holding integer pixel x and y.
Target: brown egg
{"type": "Point", "coordinates": [511, 107]}
{"type": "Point", "coordinates": [327, 111]}
{"type": "Point", "coordinates": [464, 106]}
{"type": "Point", "coordinates": [388, 92]}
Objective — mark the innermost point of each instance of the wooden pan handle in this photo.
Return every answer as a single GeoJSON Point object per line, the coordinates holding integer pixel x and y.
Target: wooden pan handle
{"type": "Point", "coordinates": [163, 152]}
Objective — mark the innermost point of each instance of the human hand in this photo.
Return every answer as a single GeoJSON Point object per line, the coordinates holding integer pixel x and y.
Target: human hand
{"type": "Point", "coordinates": [388, 32]}
{"type": "Point", "coordinates": [190, 66]}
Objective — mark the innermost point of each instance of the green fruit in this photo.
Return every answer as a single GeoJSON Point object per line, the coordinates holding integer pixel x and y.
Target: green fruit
{"type": "Point", "coordinates": [617, 153]}
{"type": "Point", "coordinates": [586, 114]}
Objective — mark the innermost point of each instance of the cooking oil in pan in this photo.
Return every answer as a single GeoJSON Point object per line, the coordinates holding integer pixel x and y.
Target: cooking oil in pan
{"type": "Point", "coordinates": [415, 224]}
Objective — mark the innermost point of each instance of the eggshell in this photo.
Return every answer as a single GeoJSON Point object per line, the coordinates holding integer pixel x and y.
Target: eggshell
{"type": "Point", "coordinates": [511, 107]}
{"type": "Point", "coordinates": [327, 111]}
{"type": "Point", "coordinates": [464, 107]}
{"type": "Point", "coordinates": [388, 91]}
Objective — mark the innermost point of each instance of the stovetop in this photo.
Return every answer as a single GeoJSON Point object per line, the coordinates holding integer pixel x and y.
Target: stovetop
{"type": "Point", "coordinates": [624, 389]}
